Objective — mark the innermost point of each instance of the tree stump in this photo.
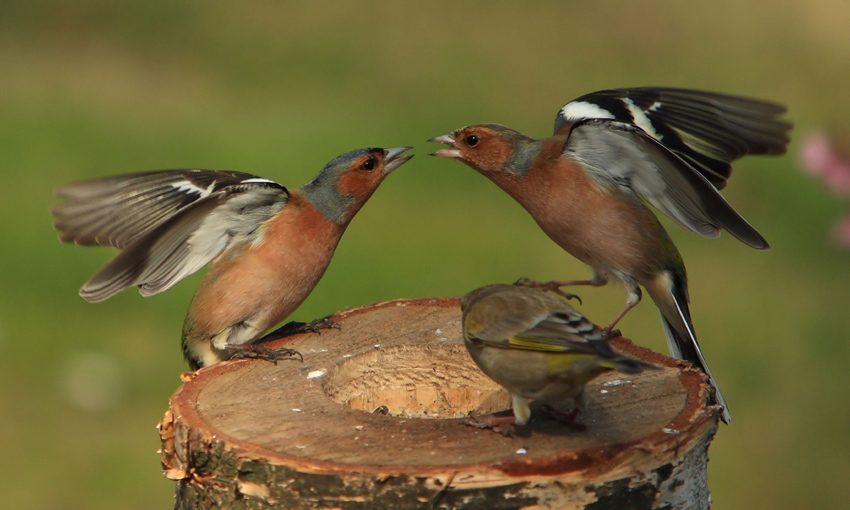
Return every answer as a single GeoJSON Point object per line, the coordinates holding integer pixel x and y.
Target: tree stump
{"type": "Point", "coordinates": [248, 433]}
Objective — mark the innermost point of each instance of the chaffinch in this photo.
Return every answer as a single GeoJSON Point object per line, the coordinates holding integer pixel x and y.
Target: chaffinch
{"type": "Point", "coordinates": [614, 152]}
{"type": "Point", "coordinates": [535, 345]}
{"type": "Point", "coordinates": [267, 246]}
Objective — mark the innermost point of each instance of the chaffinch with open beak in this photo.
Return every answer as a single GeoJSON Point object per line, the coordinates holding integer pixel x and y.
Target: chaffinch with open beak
{"type": "Point", "coordinates": [267, 246]}
{"type": "Point", "coordinates": [535, 345]}
{"type": "Point", "coordinates": [614, 152]}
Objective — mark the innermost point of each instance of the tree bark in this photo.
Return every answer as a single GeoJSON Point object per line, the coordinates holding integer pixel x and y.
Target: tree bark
{"type": "Point", "coordinates": [248, 433]}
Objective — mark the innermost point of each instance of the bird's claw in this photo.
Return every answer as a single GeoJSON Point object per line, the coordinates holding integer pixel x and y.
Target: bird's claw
{"type": "Point", "coordinates": [500, 424]}
{"type": "Point", "coordinates": [295, 328]}
{"type": "Point", "coordinates": [608, 333]}
{"type": "Point", "coordinates": [319, 324]}
{"type": "Point", "coordinates": [261, 352]}
{"type": "Point", "coordinates": [566, 417]}
{"type": "Point", "coordinates": [553, 286]}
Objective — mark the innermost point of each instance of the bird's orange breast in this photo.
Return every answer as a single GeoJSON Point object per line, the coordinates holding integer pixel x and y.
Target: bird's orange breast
{"type": "Point", "coordinates": [272, 276]}
{"type": "Point", "coordinates": [600, 225]}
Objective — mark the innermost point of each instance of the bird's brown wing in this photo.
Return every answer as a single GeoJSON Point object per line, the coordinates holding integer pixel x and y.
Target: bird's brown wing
{"type": "Point", "coordinates": [513, 321]}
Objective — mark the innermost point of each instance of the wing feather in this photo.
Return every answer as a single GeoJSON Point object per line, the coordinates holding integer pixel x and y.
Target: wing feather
{"type": "Point", "coordinates": [168, 224]}
{"type": "Point", "coordinates": [528, 319]}
{"type": "Point", "coordinates": [623, 155]}
{"type": "Point", "coordinates": [113, 211]}
{"type": "Point", "coordinates": [708, 130]}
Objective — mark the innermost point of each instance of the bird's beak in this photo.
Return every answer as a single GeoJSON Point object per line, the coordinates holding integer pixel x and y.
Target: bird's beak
{"type": "Point", "coordinates": [452, 152]}
{"type": "Point", "coordinates": [394, 159]}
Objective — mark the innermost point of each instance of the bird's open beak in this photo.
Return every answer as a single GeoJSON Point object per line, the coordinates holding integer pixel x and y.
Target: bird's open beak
{"type": "Point", "coordinates": [452, 152]}
{"type": "Point", "coordinates": [394, 159]}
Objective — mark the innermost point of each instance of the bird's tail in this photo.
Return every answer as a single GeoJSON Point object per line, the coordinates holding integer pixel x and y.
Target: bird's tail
{"type": "Point", "coordinates": [681, 339]}
{"type": "Point", "coordinates": [627, 365]}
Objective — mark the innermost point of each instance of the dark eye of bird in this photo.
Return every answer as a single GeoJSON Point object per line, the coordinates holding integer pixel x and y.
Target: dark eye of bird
{"type": "Point", "coordinates": [369, 164]}
{"type": "Point", "coordinates": [472, 140]}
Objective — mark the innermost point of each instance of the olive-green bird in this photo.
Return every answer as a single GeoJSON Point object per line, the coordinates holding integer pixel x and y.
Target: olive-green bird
{"type": "Point", "coordinates": [536, 345]}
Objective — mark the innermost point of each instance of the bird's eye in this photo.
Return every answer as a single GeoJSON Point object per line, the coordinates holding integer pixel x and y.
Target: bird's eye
{"type": "Point", "coordinates": [471, 140]}
{"type": "Point", "coordinates": [368, 165]}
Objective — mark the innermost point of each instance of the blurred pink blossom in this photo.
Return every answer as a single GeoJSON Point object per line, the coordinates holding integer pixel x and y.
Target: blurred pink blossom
{"type": "Point", "coordinates": [823, 158]}
{"type": "Point", "coordinates": [841, 231]}
{"type": "Point", "coordinates": [820, 157]}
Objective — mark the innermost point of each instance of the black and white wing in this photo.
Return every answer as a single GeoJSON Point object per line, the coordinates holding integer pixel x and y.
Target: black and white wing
{"type": "Point", "coordinates": [674, 148]}
{"type": "Point", "coordinates": [706, 130]}
{"type": "Point", "coordinates": [168, 224]}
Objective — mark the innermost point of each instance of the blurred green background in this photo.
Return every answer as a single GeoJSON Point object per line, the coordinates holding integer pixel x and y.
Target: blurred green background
{"type": "Point", "coordinates": [278, 89]}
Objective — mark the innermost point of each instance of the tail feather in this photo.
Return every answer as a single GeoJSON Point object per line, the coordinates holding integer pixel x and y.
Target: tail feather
{"type": "Point", "coordinates": [627, 365]}
{"type": "Point", "coordinates": [684, 345]}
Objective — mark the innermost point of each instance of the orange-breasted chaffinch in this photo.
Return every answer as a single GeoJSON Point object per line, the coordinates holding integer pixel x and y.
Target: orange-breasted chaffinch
{"type": "Point", "coordinates": [613, 152]}
{"type": "Point", "coordinates": [267, 246]}
{"type": "Point", "coordinates": [535, 345]}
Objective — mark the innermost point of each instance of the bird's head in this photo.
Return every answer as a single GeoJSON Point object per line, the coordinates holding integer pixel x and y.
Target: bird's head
{"type": "Point", "coordinates": [488, 148]}
{"type": "Point", "coordinates": [347, 181]}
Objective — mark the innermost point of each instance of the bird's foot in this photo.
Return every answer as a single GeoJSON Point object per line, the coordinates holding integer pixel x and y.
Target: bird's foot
{"type": "Point", "coordinates": [553, 286]}
{"type": "Point", "coordinates": [318, 325]}
{"type": "Point", "coordinates": [294, 328]}
{"type": "Point", "coordinates": [568, 418]}
{"type": "Point", "coordinates": [262, 352]}
{"type": "Point", "coordinates": [500, 424]}
{"type": "Point", "coordinates": [608, 333]}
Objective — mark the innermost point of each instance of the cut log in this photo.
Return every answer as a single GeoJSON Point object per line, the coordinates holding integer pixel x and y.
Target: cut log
{"type": "Point", "coordinates": [372, 418]}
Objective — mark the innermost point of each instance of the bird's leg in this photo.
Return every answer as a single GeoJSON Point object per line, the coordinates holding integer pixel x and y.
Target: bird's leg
{"type": "Point", "coordinates": [262, 352]}
{"type": "Point", "coordinates": [500, 424]}
{"type": "Point", "coordinates": [257, 350]}
{"type": "Point", "coordinates": [633, 295]}
{"type": "Point", "coordinates": [554, 286]}
{"type": "Point", "coordinates": [294, 328]}
{"type": "Point", "coordinates": [566, 417]}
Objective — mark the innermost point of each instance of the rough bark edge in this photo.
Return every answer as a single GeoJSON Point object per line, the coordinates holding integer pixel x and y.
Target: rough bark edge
{"type": "Point", "coordinates": [214, 469]}
{"type": "Point", "coordinates": [226, 478]}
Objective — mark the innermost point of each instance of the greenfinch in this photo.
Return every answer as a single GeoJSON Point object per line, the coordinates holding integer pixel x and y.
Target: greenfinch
{"type": "Point", "coordinates": [536, 345]}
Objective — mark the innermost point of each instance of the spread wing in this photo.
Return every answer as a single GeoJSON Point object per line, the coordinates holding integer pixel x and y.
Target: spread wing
{"type": "Point", "coordinates": [168, 224]}
{"type": "Point", "coordinates": [621, 154]}
{"type": "Point", "coordinates": [706, 130]}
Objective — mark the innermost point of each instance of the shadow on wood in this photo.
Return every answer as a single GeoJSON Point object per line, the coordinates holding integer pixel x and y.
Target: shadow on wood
{"type": "Point", "coordinates": [252, 434]}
